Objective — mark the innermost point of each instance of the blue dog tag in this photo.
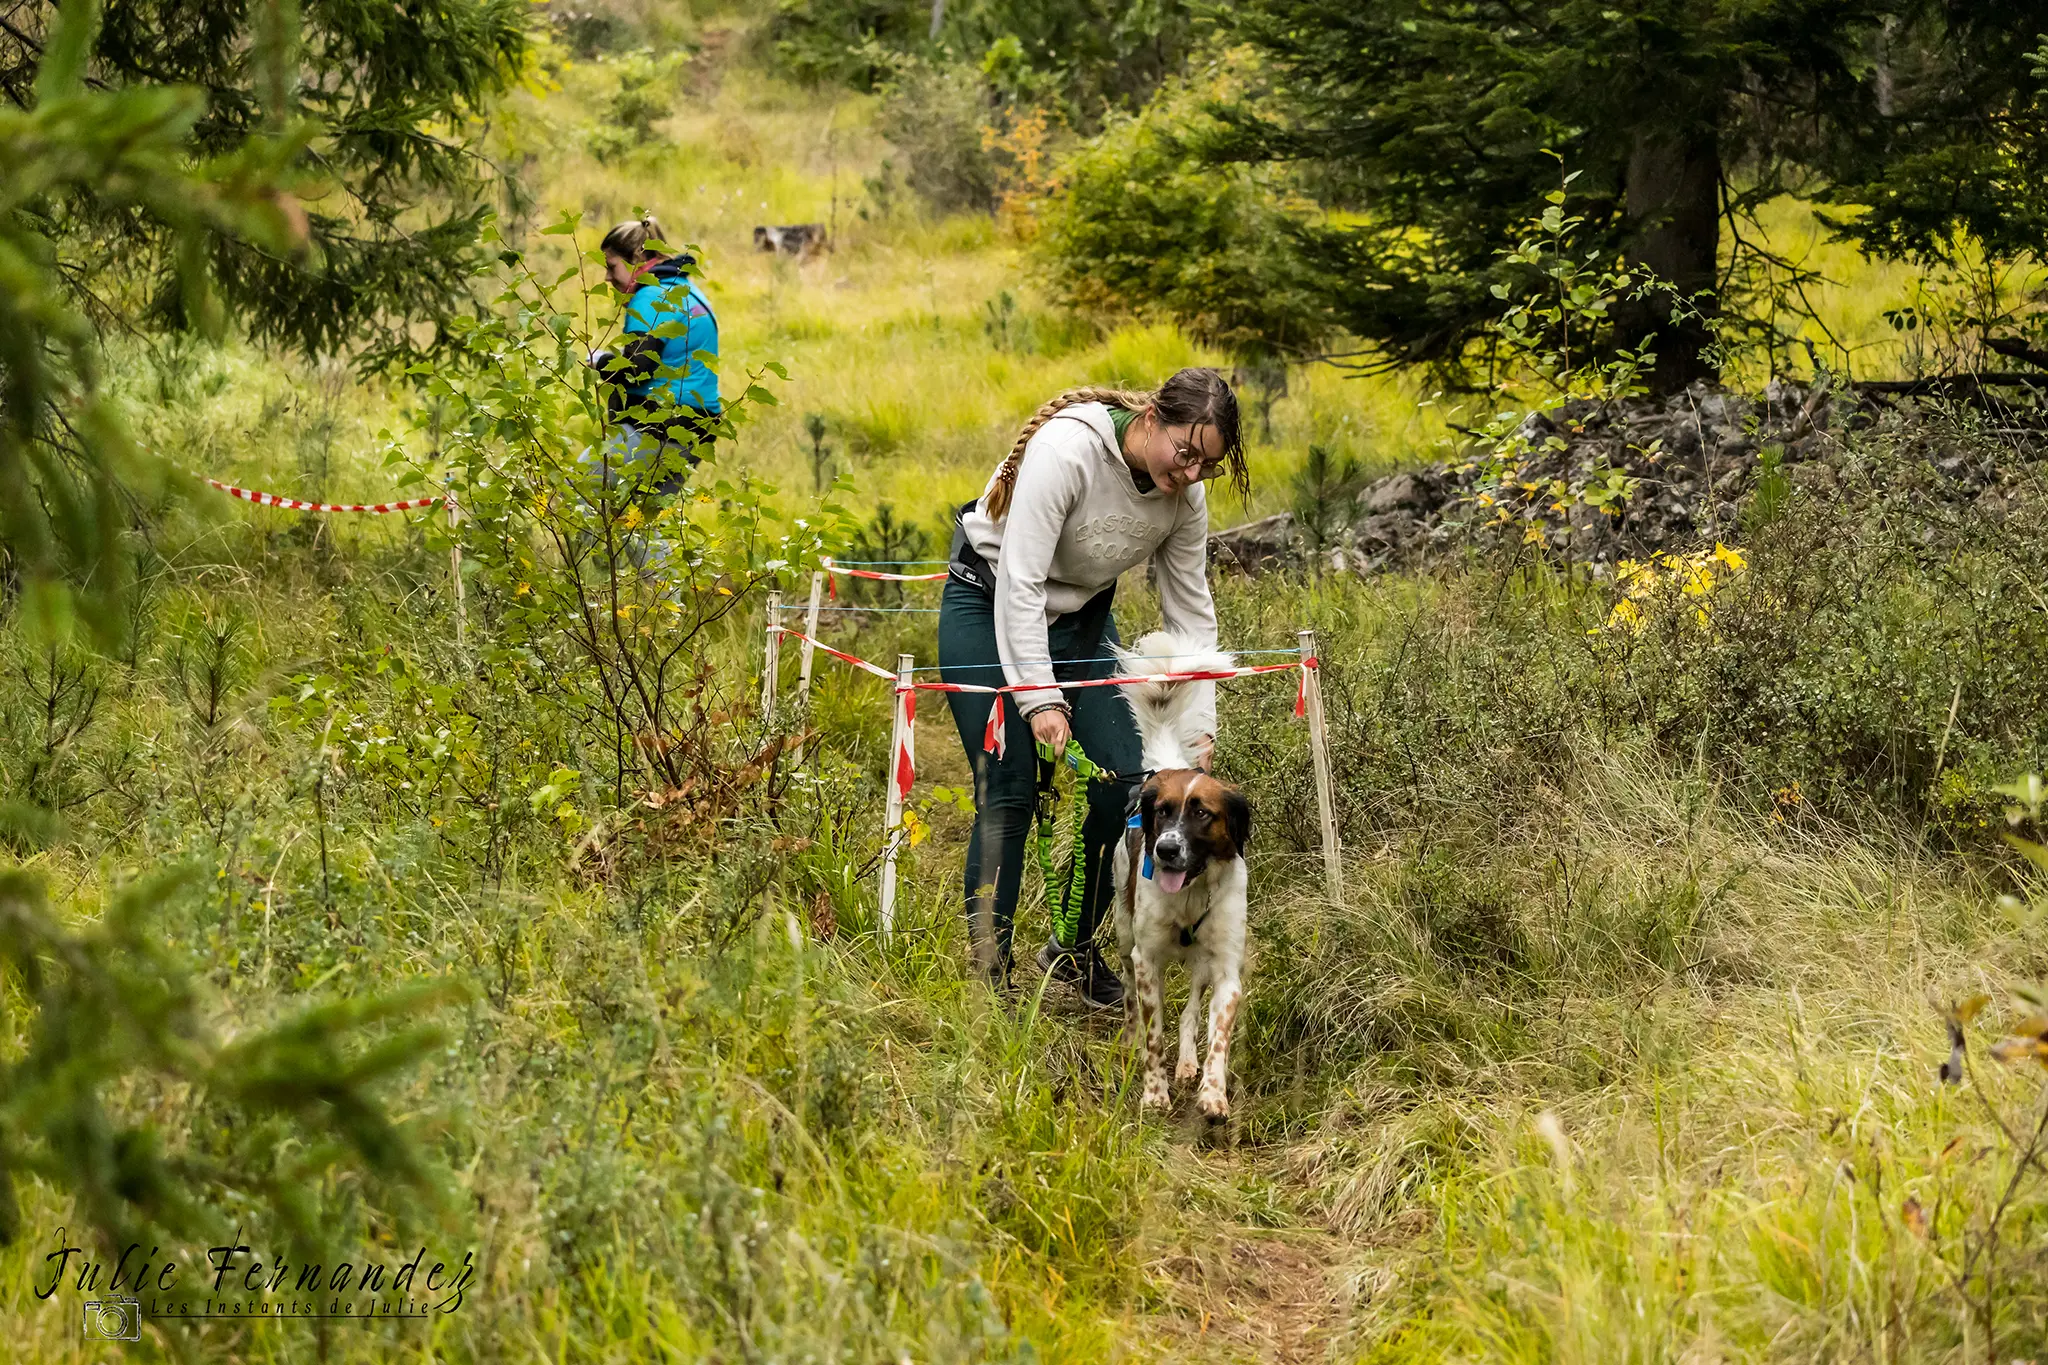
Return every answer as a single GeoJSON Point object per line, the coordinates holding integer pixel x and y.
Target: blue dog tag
{"type": "Point", "coordinates": [1137, 821]}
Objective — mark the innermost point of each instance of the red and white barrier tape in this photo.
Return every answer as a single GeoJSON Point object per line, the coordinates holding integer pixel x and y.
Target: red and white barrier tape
{"type": "Point", "coordinates": [994, 734]}
{"type": "Point", "coordinates": [905, 768]}
{"type": "Point", "coordinates": [839, 654]}
{"type": "Point", "coordinates": [832, 568]}
{"type": "Point", "coordinates": [273, 500]}
{"type": "Point", "coordinates": [834, 572]}
{"type": "Point", "coordinates": [1120, 680]}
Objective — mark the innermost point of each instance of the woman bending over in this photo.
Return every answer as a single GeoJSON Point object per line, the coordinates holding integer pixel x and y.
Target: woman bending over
{"type": "Point", "coordinates": [1099, 481]}
{"type": "Point", "coordinates": [663, 395]}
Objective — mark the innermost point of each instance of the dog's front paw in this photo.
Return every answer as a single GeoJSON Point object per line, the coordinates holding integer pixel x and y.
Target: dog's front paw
{"type": "Point", "coordinates": [1184, 1072]}
{"type": "Point", "coordinates": [1214, 1104]}
{"type": "Point", "coordinates": [1156, 1095]}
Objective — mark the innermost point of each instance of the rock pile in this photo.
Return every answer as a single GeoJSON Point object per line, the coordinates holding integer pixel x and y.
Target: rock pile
{"type": "Point", "coordinates": [1691, 458]}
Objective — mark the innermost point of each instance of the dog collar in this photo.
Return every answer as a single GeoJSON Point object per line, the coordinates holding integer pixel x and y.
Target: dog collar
{"type": "Point", "coordinates": [1137, 821]}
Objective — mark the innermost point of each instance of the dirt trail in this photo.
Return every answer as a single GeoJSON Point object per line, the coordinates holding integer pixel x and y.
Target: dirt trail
{"type": "Point", "coordinates": [1267, 1297]}
{"type": "Point", "coordinates": [1241, 1292]}
{"type": "Point", "coordinates": [1233, 1292]}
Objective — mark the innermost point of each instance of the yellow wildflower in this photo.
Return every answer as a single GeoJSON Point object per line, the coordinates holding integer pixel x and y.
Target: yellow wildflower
{"type": "Point", "coordinates": [1626, 616]}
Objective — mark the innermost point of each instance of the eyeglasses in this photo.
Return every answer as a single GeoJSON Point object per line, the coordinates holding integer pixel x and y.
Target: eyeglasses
{"type": "Point", "coordinates": [1189, 457]}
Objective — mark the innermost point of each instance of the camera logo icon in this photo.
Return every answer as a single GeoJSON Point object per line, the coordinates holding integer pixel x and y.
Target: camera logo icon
{"type": "Point", "coordinates": [113, 1319]}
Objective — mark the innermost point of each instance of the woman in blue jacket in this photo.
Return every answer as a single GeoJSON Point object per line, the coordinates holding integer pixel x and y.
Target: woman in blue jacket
{"type": "Point", "coordinates": [662, 387]}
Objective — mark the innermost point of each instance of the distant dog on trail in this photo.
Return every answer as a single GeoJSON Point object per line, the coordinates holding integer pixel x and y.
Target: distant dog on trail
{"type": "Point", "coordinates": [1180, 881]}
{"type": "Point", "coordinates": [798, 239]}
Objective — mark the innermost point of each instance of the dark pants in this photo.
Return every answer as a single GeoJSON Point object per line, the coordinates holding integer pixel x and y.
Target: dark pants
{"type": "Point", "coordinates": [633, 469]}
{"type": "Point", "coordinates": [1004, 790]}
{"type": "Point", "coordinates": [641, 454]}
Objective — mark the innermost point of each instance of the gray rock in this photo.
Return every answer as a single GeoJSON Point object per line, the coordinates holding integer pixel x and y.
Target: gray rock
{"type": "Point", "coordinates": [1407, 490]}
{"type": "Point", "coordinates": [1695, 455]}
{"type": "Point", "coordinates": [1257, 546]}
{"type": "Point", "coordinates": [1388, 530]}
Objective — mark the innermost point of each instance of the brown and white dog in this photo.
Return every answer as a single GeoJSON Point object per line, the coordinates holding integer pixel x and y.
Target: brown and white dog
{"type": "Point", "coordinates": [1180, 881]}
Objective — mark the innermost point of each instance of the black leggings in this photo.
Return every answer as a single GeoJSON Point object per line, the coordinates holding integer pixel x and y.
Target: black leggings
{"type": "Point", "coordinates": [1004, 790]}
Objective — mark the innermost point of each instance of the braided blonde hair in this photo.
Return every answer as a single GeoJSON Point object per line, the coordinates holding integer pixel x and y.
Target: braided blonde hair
{"type": "Point", "coordinates": [1192, 395]}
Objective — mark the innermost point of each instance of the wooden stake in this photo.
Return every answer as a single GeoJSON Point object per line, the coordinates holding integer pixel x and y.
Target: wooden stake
{"type": "Point", "coordinates": [773, 662]}
{"type": "Point", "coordinates": [1319, 751]}
{"type": "Point", "coordinates": [892, 816]}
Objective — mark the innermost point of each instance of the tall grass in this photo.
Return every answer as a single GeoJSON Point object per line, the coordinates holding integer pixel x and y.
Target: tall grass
{"type": "Point", "coordinates": [885, 335]}
{"type": "Point", "coordinates": [1604, 1056]}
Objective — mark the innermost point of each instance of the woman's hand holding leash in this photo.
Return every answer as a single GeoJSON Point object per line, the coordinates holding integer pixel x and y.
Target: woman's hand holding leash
{"type": "Point", "coordinates": [1049, 725]}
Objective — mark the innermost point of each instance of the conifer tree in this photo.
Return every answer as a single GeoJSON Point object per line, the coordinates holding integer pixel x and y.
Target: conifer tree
{"type": "Point", "coordinates": [390, 177]}
{"type": "Point", "coordinates": [177, 162]}
{"type": "Point", "coordinates": [1438, 126]}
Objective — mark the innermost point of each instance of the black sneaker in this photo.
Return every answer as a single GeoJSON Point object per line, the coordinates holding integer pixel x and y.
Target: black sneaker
{"type": "Point", "coordinates": [996, 979]}
{"type": "Point", "coordinates": [1083, 968]}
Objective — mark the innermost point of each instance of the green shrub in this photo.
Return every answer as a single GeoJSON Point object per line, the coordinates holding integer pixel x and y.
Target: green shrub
{"type": "Point", "coordinates": [590, 32]}
{"type": "Point", "coordinates": [933, 112]}
{"type": "Point", "coordinates": [845, 41]}
{"type": "Point", "coordinates": [1875, 654]}
{"type": "Point", "coordinates": [1141, 228]}
{"type": "Point", "coordinates": [644, 98]}
{"type": "Point", "coordinates": [1325, 495]}
{"type": "Point", "coordinates": [601, 576]}
{"type": "Point", "coordinates": [123, 1096]}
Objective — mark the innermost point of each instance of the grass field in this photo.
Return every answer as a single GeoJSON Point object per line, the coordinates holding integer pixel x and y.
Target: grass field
{"type": "Point", "coordinates": [1608, 1054]}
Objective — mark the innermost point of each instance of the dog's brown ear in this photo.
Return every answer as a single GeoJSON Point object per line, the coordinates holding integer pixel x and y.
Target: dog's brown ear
{"type": "Point", "coordinates": [1237, 818]}
{"type": "Point", "coordinates": [1147, 801]}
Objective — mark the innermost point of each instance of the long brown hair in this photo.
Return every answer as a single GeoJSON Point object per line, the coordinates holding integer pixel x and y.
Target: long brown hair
{"type": "Point", "coordinates": [1192, 397]}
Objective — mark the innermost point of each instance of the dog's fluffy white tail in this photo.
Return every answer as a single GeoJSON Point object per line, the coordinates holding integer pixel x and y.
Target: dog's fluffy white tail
{"type": "Point", "coordinates": [1166, 710]}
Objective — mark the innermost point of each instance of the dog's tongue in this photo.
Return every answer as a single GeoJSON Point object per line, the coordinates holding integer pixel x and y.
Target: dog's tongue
{"type": "Point", "coordinates": [1171, 881]}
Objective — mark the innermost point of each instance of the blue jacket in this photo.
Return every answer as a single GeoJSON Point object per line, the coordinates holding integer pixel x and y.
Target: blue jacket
{"type": "Point", "coordinates": [668, 321]}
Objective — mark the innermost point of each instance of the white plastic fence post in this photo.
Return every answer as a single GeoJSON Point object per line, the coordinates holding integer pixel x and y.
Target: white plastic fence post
{"type": "Point", "coordinates": [1319, 751]}
{"type": "Point", "coordinates": [773, 661]}
{"type": "Point", "coordinates": [892, 816]}
{"type": "Point", "coordinates": [803, 673]}
{"type": "Point", "coordinates": [455, 573]}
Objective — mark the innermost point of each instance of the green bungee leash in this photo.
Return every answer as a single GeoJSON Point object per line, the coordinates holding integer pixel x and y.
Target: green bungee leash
{"type": "Point", "coordinates": [1063, 895]}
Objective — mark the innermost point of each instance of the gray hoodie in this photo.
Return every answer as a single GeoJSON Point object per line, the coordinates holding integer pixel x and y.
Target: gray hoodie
{"type": "Point", "coordinates": [1076, 522]}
